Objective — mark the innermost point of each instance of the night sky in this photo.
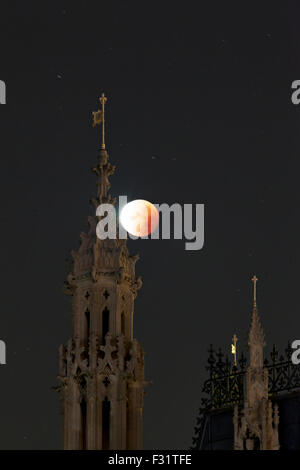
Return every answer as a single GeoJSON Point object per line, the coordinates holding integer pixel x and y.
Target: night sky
{"type": "Point", "coordinates": [199, 111]}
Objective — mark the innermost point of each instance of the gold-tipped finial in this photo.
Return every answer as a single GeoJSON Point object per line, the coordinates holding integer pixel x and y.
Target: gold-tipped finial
{"type": "Point", "coordinates": [99, 118]}
{"type": "Point", "coordinates": [233, 349]}
{"type": "Point", "coordinates": [254, 280]}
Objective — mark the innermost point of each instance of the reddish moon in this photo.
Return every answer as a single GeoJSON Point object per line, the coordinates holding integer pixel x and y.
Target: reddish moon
{"type": "Point", "coordinates": [139, 217]}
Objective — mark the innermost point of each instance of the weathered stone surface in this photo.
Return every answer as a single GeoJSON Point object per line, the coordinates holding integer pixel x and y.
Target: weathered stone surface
{"type": "Point", "coordinates": [102, 367]}
{"type": "Point", "coordinates": [256, 424]}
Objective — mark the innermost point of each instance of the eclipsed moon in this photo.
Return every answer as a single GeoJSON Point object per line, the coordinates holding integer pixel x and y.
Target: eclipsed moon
{"type": "Point", "coordinates": [139, 218]}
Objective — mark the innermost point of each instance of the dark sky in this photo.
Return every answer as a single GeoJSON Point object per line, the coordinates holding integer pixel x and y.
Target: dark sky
{"type": "Point", "coordinates": [204, 87]}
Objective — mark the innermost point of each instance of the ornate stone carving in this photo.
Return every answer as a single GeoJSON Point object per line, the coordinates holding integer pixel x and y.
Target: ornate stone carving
{"type": "Point", "coordinates": [92, 367]}
{"type": "Point", "coordinates": [256, 424]}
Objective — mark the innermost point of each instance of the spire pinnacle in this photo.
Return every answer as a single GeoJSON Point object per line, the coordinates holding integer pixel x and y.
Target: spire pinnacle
{"type": "Point", "coordinates": [99, 118]}
{"type": "Point", "coordinates": [256, 334]}
{"type": "Point", "coordinates": [254, 280]}
{"type": "Point", "coordinates": [234, 350]}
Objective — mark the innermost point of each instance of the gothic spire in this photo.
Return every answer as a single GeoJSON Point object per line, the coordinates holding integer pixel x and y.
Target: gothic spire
{"type": "Point", "coordinates": [256, 428]}
{"type": "Point", "coordinates": [256, 333]}
{"type": "Point", "coordinates": [102, 366]}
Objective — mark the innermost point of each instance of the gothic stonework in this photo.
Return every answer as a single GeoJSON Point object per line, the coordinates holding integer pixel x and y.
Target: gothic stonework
{"type": "Point", "coordinates": [256, 426]}
{"type": "Point", "coordinates": [102, 367]}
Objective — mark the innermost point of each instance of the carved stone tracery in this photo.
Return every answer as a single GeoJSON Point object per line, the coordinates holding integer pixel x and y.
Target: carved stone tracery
{"type": "Point", "coordinates": [93, 368]}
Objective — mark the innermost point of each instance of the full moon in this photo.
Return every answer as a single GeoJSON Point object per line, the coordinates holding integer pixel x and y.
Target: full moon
{"type": "Point", "coordinates": [139, 217]}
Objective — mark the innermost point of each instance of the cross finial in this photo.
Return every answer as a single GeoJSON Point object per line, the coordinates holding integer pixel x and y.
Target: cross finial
{"type": "Point", "coordinates": [103, 100]}
{"type": "Point", "coordinates": [99, 118]}
{"type": "Point", "coordinates": [254, 280]}
{"type": "Point", "coordinates": [233, 349]}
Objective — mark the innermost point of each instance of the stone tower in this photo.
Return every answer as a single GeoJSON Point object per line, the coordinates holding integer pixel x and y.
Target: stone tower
{"type": "Point", "coordinates": [256, 427]}
{"type": "Point", "coordinates": [101, 369]}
